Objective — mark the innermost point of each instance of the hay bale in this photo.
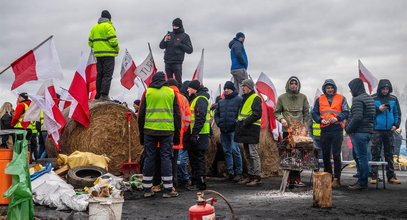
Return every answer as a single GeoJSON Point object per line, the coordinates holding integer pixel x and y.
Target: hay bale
{"type": "Point", "coordinates": [107, 134]}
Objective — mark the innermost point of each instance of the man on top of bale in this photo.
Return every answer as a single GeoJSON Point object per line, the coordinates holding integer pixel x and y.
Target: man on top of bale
{"type": "Point", "coordinates": [159, 126]}
{"type": "Point", "coordinates": [239, 60]}
{"type": "Point", "coordinates": [330, 110]}
{"type": "Point", "coordinates": [359, 126]}
{"type": "Point", "coordinates": [292, 107]}
{"type": "Point", "coordinates": [248, 132]}
{"type": "Point", "coordinates": [103, 41]}
{"type": "Point", "coordinates": [226, 114]}
{"type": "Point", "coordinates": [197, 136]}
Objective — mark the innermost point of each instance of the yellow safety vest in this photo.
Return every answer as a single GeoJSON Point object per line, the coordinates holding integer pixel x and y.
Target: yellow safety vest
{"type": "Point", "coordinates": [32, 123]}
{"type": "Point", "coordinates": [42, 121]}
{"type": "Point", "coordinates": [316, 129]}
{"type": "Point", "coordinates": [103, 40]}
{"type": "Point", "coordinates": [206, 128]}
{"type": "Point", "coordinates": [159, 109]}
{"type": "Point", "coordinates": [246, 110]}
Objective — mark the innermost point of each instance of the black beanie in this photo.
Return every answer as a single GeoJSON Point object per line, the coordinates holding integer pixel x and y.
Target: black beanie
{"type": "Point", "coordinates": [229, 85]}
{"type": "Point", "coordinates": [24, 95]}
{"type": "Point", "coordinates": [106, 14]}
{"type": "Point", "coordinates": [177, 22]}
{"type": "Point", "coordinates": [195, 84]}
{"type": "Point", "coordinates": [158, 76]}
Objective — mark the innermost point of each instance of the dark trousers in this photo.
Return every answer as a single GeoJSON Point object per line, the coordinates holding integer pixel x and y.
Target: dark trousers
{"type": "Point", "coordinates": [385, 139]}
{"type": "Point", "coordinates": [197, 162]}
{"type": "Point", "coordinates": [157, 174]}
{"type": "Point", "coordinates": [331, 143]}
{"type": "Point", "coordinates": [174, 70]}
{"type": "Point", "coordinates": [150, 152]}
{"type": "Point", "coordinates": [105, 68]}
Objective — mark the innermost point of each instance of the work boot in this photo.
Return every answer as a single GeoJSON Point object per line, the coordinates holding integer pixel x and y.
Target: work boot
{"type": "Point", "coordinates": [237, 178]}
{"type": "Point", "coordinates": [156, 188]}
{"type": "Point", "coordinates": [394, 180]}
{"type": "Point", "coordinates": [104, 98]}
{"type": "Point", "coordinates": [245, 180]}
{"type": "Point", "coordinates": [357, 187]}
{"type": "Point", "coordinates": [148, 193]}
{"type": "Point", "coordinates": [256, 181]}
{"type": "Point", "coordinates": [373, 181]}
{"type": "Point", "coordinates": [336, 183]}
{"type": "Point", "coordinates": [171, 194]}
{"type": "Point", "coordinates": [231, 177]}
{"type": "Point", "coordinates": [192, 187]}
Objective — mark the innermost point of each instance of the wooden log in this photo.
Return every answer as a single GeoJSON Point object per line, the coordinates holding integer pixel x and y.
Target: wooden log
{"type": "Point", "coordinates": [322, 186]}
{"type": "Point", "coordinates": [63, 170]}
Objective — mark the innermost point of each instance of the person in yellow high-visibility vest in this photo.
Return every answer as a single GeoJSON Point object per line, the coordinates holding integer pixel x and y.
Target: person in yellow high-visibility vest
{"type": "Point", "coordinates": [248, 131]}
{"type": "Point", "coordinates": [159, 126]}
{"type": "Point", "coordinates": [197, 136]}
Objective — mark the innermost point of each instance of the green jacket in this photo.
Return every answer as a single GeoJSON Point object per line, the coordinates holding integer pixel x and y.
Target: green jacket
{"type": "Point", "coordinates": [292, 106]}
{"type": "Point", "coordinates": [103, 39]}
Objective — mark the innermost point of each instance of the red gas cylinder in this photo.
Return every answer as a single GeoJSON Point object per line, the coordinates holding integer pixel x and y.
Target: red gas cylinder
{"type": "Point", "coordinates": [202, 210]}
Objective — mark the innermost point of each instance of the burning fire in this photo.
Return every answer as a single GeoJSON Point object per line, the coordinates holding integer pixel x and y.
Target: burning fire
{"type": "Point", "coordinates": [296, 129]}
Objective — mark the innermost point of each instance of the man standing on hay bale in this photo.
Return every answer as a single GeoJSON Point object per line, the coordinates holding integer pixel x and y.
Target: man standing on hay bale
{"type": "Point", "coordinates": [103, 41]}
{"type": "Point", "coordinates": [330, 110]}
{"type": "Point", "coordinates": [197, 137]}
{"type": "Point", "coordinates": [359, 126]}
{"type": "Point", "coordinates": [239, 60]}
{"type": "Point", "coordinates": [226, 114]}
{"type": "Point", "coordinates": [159, 125]}
{"type": "Point", "coordinates": [248, 131]}
{"type": "Point", "coordinates": [292, 107]}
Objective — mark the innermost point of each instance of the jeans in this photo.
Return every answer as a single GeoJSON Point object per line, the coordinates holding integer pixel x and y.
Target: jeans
{"type": "Point", "coordinates": [360, 153]}
{"type": "Point", "coordinates": [233, 157]}
{"type": "Point", "coordinates": [238, 76]}
{"type": "Point", "coordinates": [42, 139]}
{"type": "Point", "coordinates": [183, 174]}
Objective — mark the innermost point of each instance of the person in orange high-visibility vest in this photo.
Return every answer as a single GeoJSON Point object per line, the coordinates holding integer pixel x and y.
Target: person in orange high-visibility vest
{"type": "Point", "coordinates": [330, 111]}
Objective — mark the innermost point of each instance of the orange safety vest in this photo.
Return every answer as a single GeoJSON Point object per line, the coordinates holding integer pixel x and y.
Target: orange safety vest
{"type": "Point", "coordinates": [185, 115]}
{"type": "Point", "coordinates": [329, 111]}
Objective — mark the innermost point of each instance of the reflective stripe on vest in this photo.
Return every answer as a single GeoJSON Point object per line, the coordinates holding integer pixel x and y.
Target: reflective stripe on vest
{"type": "Point", "coordinates": [159, 109]}
{"type": "Point", "coordinates": [30, 126]}
{"type": "Point", "coordinates": [206, 127]}
{"type": "Point", "coordinates": [316, 129]}
{"type": "Point", "coordinates": [330, 111]}
{"type": "Point", "coordinates": [246, 110]}
{"type": "Point", "coordinates": [103, 40]}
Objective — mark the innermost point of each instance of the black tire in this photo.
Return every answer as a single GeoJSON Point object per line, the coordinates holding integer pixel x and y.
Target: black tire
{"type": "Point", "coordinates": [82, 176]}
{"type": "Point", "coordinates": [44, 162]}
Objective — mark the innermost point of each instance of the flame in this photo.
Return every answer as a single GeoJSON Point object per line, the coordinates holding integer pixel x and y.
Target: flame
{"type": "Point", "coordinates": [297, 129]}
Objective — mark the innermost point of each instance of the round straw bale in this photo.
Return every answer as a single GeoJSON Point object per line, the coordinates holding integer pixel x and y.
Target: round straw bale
{"type": "Point", "coordinates": [108, 134]}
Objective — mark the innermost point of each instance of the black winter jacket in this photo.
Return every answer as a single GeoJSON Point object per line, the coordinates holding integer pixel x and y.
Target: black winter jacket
{"type": "Point", "coordinates": [6, 121]}
{"type": "Point", "coordinates": [363, 112]}
{"type": "Point", "coordinates": [246, 131]}
{"type": "Point", "coordinates": [226, 112]}
{"type": "Point", "coordinates": [176, 48]}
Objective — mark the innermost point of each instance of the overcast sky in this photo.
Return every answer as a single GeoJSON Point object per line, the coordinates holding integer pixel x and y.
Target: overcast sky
{"type": "Point", "coordinates": [314, 40]}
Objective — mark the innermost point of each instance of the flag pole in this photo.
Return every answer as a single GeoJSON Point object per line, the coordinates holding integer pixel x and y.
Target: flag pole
{"type": "Point", "coordinates": [8, 67]}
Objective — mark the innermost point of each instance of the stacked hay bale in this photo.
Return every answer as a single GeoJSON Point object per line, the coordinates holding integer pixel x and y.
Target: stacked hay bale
{"type": "Point", "coordinates": [107, 134]}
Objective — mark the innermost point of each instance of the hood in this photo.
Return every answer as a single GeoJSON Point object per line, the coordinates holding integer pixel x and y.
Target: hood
{"type": "Point", "coordinates": [384, 83]}
{"type": "Point", "coordinates": [234, 41]}
{"type": "Point", "coordinates": [101, 20]}
{"type": "Point", "coordinates": [329, 82]}
{"type": "Point", "coordinates": [158, 80]}
{"type": "Point", "coordinates": [203, 91]}
{"type": "Point", "coordinates": [178, 31]}
{"type": "Point", "coordinates": [287, 85]}
{"type": "Point", "coordinates": [356, 87]}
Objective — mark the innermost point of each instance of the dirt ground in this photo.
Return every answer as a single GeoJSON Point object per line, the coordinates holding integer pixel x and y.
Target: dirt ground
{"type": "Point", "coordinates": [266, 203]}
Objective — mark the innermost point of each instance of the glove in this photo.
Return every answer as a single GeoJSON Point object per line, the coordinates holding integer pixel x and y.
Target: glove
{"type": "Point", "coordinates": [194, 139]}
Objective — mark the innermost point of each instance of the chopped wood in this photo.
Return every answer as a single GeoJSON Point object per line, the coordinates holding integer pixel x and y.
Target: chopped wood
{"type": "Point", "coordinates": [322, 187]}
{"type": "Point", "coordinates": [63, 170]}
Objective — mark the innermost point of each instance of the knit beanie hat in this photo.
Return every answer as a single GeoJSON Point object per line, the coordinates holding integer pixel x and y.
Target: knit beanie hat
{"type": "Point", "coordinates": [177, 22]}
{"type": "Point", "coordinates": [239, 35]}
{"type": "Point", "coordinates": [158, 76]}
{"type": "Point", "coordinates": [106, 14]}
{"type": "Point", "coordinates": [24, 95]}
{"type": "Point", "coordinates": [229, 85]}
{"type": "Point", "coordinates": [249, 83]}
{"type": "Point", "coordinates": [195, 84]}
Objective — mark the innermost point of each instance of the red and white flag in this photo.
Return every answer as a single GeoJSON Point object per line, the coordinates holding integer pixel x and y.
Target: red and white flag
{"type": "Point", "coordinates": [198, 74]}
{"type": "Point", "coordinates": [40, 63]}
{"type": "Point", "coordinates": [265, 87]}
{"type": "Point", "coordinates": [366, 76]}
{"type": "Point", "coordinates": [141, 88]}
{"type": "Point", "coordinates": [147, 69]}
{"type": "Point", "coordinates": [91, 73]}
{"type": "Point", "coordinates": [47, 101]}
{"type": "Point", "coordinates": [63, 103]}
{"type": "Point", "coordinates": [78, 94]}
{"type": "Point", "coordinates": [127, 73]}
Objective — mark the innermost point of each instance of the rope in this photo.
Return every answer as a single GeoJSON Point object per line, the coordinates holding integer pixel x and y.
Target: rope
{"type": "Point", "coordinates": [227, 202]}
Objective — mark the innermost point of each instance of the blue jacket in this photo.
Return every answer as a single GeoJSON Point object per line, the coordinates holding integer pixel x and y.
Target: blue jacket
{"type": "Point", "coordinates": [226, 112]}
{"type": "Point", "coordinates": [238, 55]}
{"type": "Point", "coordinates": [390, 117]}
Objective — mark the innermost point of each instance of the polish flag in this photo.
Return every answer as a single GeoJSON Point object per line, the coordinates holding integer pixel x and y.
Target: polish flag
{"type": "Point", "coordinates": [40, 63]}
{"type": "Point", "coordinates": [91, 73]}
{"type": "Point", "coordinates": [127, 73]}
{"type": "Point", "coordinates": [46, 100]}
{"type": "Point", "coordinates": [198, 74]}
{"type": "Point", "coordinates": [147, 69]}
{"type": "Point", "coordinates": [266, 88]}
{"type": "Point", "coordinates": [366, 76]}
{"type": "Point", "coordinates": [78, 94]}
{"type": "Point", "coordinates": [141, 88]}
{"type": "Point", "coordinates": [63, 103]}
